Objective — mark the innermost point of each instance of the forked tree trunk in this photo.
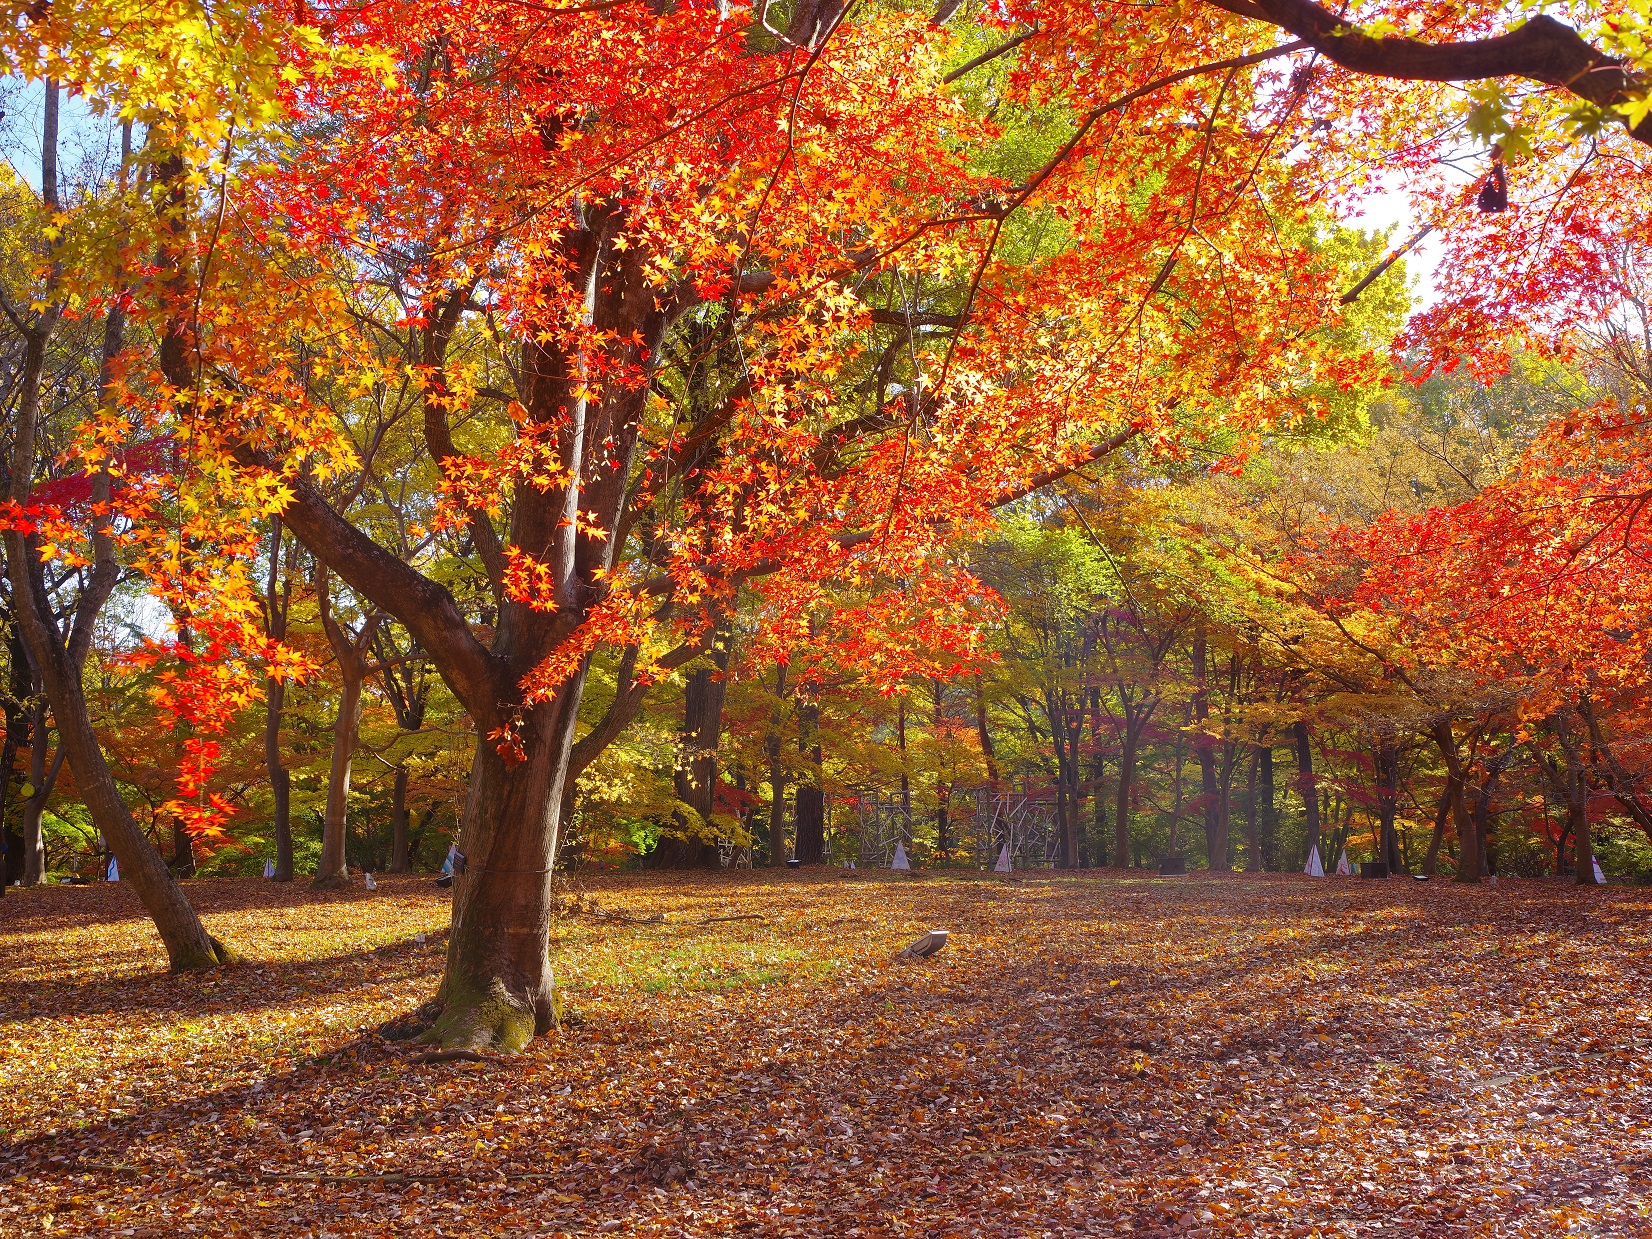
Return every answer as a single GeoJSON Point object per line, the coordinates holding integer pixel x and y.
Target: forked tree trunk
{"type": "Point", "coordinates": [350, 650]}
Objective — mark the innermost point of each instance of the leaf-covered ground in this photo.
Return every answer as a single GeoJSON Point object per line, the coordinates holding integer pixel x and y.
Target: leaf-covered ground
{"type": "Point", "coordinates": [1091, 1055]}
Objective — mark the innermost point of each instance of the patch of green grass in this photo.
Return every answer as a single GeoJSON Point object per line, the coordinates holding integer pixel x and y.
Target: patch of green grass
{"type": "Point", "coordinates": [700, 966]}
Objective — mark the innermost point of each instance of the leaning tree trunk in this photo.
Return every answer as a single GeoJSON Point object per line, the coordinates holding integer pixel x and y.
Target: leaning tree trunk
{"type": "Point", "coordinates": [188, 945]}
{"type": "Point", "coordinates": [60, 663]}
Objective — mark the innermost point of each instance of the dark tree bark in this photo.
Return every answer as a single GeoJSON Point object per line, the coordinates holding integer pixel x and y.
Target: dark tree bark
{"type": "Point", "coordinates": [1388, 800]}
{"type": "Point", "coordinates": [1204, 749]}
{"type": "Point", "coordinates": [983, 733]}
{"type": "Point", "coordinates": [1541, 50]}
{"type": "Point", "coordinates": [810, 799]}
{"type": "Point", "coordinates": [42, 781]}
{"type": "Point", "coordinates": [777, 775]}
{"type": "Point", "coordinates": [1307, 785]}
{"type": "Point", "coordinates": [1574, 790]}
{"type": "Point", "coordinates": [1253, 842]}
{"type": "Point", "coordinates": [1468, 840]}
{"type": "Point", "coordinates": [696, 774]}
{"type": "Point", "coordinates": [1431, 860]}
{"type": "Point", "coordinates": [1267, 809]}
{"type": "Point", "coordinates": [278, 595]}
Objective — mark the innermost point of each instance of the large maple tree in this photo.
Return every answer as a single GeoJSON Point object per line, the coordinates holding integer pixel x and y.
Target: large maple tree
{"type": "Point", "coordinates": [784, 298]}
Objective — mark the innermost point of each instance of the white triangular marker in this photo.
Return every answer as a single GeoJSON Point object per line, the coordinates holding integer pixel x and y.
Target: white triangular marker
{"type": "Point", "coordinates": [269, 868]}
{"type": "Point", "coordinates": [1313, 868]}
{"type": "Point", "coordinates": [1599, 876]}
{"type": "Point", "coordinates": [114, 870]}
{"type": "Point", "coordinates": [370, 884]}
{"type": "Point", "coordinates": [900, 862]}
{"type": "Point", "coordinates": [1004, 865]}
{"type": "Point", "coordinates": [1343, 867]}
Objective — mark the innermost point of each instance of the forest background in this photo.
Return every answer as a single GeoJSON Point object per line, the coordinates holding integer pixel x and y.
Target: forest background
{"type": "Point", "coordinates": [1400, 613]}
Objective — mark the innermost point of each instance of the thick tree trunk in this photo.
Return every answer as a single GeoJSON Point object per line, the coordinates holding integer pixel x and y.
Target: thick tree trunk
{"type": "Point", "coordinates": [498, 989]}
{"type": "Point", "coordinates": [809, 801]}
{"type": "Point", "coordinates": [1308, 786]}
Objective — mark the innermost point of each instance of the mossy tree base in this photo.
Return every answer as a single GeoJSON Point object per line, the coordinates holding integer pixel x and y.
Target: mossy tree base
{"type": "Point", "coordinates": [489, 1019]}
{"type": "Point", "coordinates": [216, 957]}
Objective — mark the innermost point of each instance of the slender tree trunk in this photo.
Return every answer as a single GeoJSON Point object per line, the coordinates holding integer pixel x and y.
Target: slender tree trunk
{"type": "Point", "coordinates": [984, 734]}
{"type": "Point", "coordinates": [777, 775]}
{"type": "Point", "coordinates": [41, 778]}
{"type": "Point", "coordinates": [1267, 811]}
{"type": "Point", "coordinates": [400, 862]}
{"type": "Point", "coordinates": [1577, 802]}
{"type": "Point", "coordinates": [1253, 843]}
{"type": "Point", "coordinates": [1121, 812]}
{"type": "Point", "coordinates": [810, 798]}
{"type": "Point", "coordinates": [332, 870]}
{"type": "Point", "coordinates": [1204, 748]}
{"type": "Point", "coordinates": [1388, 799]}
{"type": "Point", "coordinates": [1431, 861]}
{"type": "Point", "coordinates": [349, 650]}
{"type": "Point", "coordinates": [1180, 764]}
{"type": "Point", "coordinates": [906, 775]}
{"type": "Point", "coordinates": [1306, 782]}
{"type": "Point", "coordinates": [277, 603]}
{"type": "Point", "coordinates": [1468, 842]}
